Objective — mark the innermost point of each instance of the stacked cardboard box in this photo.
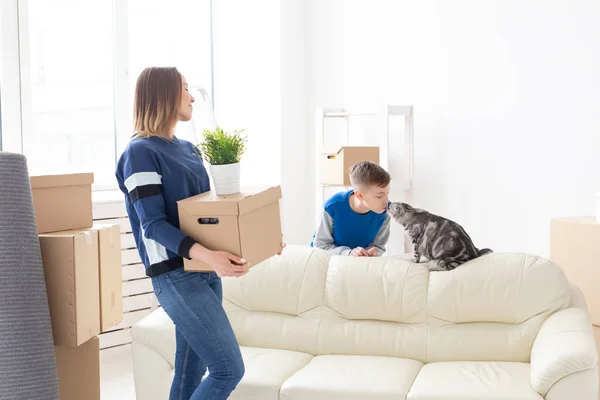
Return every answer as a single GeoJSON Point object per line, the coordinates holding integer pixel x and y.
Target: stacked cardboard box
{"type": "Point", "coordinates": [82, 267]}
{"type": "Point", "coordinates": [335, 165]}
{"type": "Point", "coordinates": [574, 245]}
{"type": "Point", "coordinates": [247, 224]}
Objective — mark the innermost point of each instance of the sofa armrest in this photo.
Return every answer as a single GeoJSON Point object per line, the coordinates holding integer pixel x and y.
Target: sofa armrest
{"type": "Point", "coordinates": [564, 345]}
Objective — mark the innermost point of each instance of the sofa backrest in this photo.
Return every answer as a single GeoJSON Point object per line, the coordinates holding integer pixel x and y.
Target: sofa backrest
{"type": "Point", "coordinates": [307, 300]}
{"type": "Point", "coordinates": [492, 308]}
{"type": "Point", "coordinates": [375, 306]}
{"type": "Point", "coordinates": [277, 304]}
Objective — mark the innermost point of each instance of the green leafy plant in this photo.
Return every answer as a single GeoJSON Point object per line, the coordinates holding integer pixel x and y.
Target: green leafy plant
{"type": "Point", "coordinates": [220, 147]}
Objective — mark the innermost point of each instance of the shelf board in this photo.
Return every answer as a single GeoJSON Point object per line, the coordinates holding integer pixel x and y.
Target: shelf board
{"type": "Point", "coordinates": [405, 111]}
{"type": "Point", "coordinates": [398, 184]}
{"type": "Point", "coordinates": [392, 110]}
{"type": "Point", "coordinates": [348, 114]}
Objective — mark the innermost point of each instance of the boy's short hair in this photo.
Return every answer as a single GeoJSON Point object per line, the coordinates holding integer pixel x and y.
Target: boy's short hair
{"type": "Point", "coordinates": [365, 174]}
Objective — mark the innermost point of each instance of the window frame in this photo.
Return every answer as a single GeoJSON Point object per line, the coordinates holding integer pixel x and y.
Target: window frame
{"type": "Point", "coordinates": [15, 77]}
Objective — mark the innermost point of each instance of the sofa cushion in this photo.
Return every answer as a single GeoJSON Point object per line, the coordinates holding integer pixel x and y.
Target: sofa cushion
{"type": "Point", "coordinates": [375, 306]}
{"type": "Point", "coordinates": [266, 371]}
{"type": "Point", "coordinates": [277, 304]}
{"type": "Point", "coordinates": [473, 381]}
{"type": "Point", "coordinates": [352, 377]}
{"type": "Point", "coordinates": [491, 308]}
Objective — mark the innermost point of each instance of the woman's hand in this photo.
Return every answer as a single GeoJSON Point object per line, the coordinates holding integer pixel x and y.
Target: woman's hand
{"type": "Point", "coordinates": [282, 247]}
{"type": "Point", "coordinates": [222, 262]}
{"type": "Point", "coordinates": [227, 264]}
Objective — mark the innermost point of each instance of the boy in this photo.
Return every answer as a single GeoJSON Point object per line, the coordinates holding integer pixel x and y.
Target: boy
{"type": "Point", "coordinates": [355, 222]}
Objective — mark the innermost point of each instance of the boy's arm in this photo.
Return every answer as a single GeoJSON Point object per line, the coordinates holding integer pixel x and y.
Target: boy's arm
{"type": "Point", "coordinates": [382, 237]}
{"type": "Point", "coordinates": [324, 239]}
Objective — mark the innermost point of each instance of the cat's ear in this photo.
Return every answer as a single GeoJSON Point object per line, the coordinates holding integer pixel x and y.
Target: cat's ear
{"type": "Point", "coordinates": [407, 207]}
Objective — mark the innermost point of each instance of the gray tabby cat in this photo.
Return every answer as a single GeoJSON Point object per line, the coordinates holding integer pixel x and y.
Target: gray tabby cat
{"type": "Point", "coordinates": [443, 242]}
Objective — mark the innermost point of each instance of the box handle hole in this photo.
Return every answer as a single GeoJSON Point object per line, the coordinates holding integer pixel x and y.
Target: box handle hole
{"type": "Point", "coordinates": [330, 157]}
{"type": "Point", "coordinates": [208, 221]}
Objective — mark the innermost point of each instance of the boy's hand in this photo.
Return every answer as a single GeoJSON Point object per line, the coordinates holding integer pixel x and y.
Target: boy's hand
{"type": "Point", "coordinates": [359, 252]}
{"type": "Point", "coordinates": [373, 252]}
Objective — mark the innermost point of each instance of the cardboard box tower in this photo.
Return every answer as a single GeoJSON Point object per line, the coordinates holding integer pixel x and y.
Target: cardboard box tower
{"type": "Point", "coordinates": [82, 268]}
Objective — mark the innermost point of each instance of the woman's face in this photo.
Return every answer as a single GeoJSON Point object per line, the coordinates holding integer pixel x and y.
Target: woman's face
{"type": "Point", "coordinates": [185, 108]}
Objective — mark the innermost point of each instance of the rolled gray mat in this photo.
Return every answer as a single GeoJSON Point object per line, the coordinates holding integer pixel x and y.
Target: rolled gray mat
{"type": "Point", "coordinates": [27, 361]}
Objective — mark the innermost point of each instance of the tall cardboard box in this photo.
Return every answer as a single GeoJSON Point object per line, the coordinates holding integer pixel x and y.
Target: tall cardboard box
{"type": "Point", "coordinates": [598, 207]}
{"type": "Point", "coordinates": [575, 246]}
{"type": "Point", "coordinates": [247, 224]}
{"type": "Point", "coordinates": [335, 166]}
{"type": "Point", "coordinates": [109, 275]}
{"type": "Point", "coordinates": [78, 371]}
{"type": "Point", "coordinates": [62, 202]}
{"type": "Point", "coordinates": [70, 260]}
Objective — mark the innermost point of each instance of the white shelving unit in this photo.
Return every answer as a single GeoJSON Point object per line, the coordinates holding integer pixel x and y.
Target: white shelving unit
{"type": "Point", "coordinates": [401, 185]}
{"type": "Point", "coordinates": [108, 207]}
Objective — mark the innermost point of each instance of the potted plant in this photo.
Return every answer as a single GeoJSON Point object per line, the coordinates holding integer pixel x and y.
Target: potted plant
{"type": "Point", "coordinates": [223, 151]}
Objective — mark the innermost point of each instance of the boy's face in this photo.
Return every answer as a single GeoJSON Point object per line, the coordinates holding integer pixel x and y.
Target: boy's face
{"type": "Point", "coordinates": [374, 198]}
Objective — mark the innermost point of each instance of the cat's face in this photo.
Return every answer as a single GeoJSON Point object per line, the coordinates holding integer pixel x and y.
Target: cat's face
{"type": "Point", "coordinates": [400, 212]}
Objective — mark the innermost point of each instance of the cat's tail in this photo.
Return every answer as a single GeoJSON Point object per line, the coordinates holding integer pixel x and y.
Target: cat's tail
{"type": "Point", "coordinates": [482, 252]}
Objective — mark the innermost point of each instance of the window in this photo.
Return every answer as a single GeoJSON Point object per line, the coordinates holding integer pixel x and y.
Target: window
{"type": "Point", "coordinates": [183, 40]}
{"type": "Point", "coordinates": [67, 100]}
{"type": "Point", "coordinates": [69, 69]}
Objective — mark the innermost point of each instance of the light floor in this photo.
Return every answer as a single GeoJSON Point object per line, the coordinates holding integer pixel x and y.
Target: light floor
{"type": "Point", "coordinates": [116, 374]}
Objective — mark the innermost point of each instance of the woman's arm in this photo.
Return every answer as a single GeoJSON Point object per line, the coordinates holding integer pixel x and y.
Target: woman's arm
{"type": "Point", "coordinates": [140, 173]}
{"type": "Point", "coordinates": [139, 170]}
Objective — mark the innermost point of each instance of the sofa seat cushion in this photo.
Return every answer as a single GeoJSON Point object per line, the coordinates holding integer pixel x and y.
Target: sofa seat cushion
{"type": "Point", "coordinates": [341, 377]}
{"type": "Point", "coordinates": [266, 371]}
{"type": "Point", "coordinates": [473, 381]}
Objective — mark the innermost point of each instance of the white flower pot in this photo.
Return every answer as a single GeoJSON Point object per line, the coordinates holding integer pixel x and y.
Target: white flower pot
{"type": "Point", "coordinates": [226, 178]}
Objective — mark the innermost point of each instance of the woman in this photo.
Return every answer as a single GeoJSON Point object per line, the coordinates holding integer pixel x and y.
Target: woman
{"type": "Point", "coordinates": [155, 171]}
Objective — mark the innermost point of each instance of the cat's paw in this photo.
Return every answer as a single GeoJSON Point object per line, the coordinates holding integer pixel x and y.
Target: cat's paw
{"type": "Point", "coordinates": [436, 268]}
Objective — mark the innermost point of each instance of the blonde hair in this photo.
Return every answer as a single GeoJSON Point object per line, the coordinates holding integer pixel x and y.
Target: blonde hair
{"type": "Point", "coordinates": [157, 101]}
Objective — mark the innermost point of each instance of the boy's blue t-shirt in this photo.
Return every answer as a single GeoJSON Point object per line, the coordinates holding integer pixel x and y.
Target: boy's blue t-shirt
{"type": "Point", "coordinates": [350, 228]}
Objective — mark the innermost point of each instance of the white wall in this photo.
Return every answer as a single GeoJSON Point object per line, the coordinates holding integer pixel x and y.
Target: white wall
{"type": "Point", "coordinates": [297, 167]}
{"type": "Point", "coordinates": [507, 104]}
{"type": "Point", "coordinates": [247, 82]}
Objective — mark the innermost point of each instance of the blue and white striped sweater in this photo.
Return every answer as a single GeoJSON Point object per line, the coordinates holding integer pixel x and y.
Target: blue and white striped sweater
{"type": "Point", "coordinates": [154, 173]}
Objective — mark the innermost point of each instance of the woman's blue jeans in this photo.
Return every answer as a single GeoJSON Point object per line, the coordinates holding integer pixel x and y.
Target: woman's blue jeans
{"type": "Point", "coordinates": [204, 337]}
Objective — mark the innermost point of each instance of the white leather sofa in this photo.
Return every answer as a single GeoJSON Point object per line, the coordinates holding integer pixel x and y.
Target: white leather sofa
{"type": "Point", "coordinates": [314, 326]}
